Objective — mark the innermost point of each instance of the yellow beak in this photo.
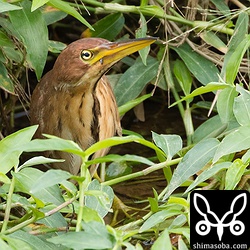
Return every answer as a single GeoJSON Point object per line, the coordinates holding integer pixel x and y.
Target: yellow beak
{"type": "Point", "coordinates": [109, 53]}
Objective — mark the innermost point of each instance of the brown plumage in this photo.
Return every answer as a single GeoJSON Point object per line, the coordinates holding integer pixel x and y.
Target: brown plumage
{"type": "Point", "coordinates": [75, 101]}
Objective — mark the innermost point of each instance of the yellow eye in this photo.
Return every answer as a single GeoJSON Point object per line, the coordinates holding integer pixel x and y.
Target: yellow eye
{"type": "Point", "coordinates": [86, 55]}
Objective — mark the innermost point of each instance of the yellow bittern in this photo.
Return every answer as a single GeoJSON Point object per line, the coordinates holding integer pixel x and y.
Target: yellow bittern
{"type": "Point", "coordinates": [75, 101]}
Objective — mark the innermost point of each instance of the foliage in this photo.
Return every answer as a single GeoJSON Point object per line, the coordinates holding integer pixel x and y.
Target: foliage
{"type": "Point", "coordinates": [192, 58]}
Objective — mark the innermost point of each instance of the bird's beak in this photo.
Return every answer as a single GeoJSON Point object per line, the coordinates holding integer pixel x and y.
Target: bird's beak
{"type": "Point", "coordinates": [109, 53]}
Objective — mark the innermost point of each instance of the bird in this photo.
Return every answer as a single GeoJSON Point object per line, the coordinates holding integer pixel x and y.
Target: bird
{"type": "Point", "coordinates": [75, 101]}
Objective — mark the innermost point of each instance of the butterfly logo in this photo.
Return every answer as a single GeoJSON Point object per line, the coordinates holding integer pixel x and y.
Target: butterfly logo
{"type": "Point", "coordinates": [210, 219]}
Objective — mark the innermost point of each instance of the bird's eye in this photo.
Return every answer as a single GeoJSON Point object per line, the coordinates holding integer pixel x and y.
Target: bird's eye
{"type": "Point", "coordinates": [86, 54]}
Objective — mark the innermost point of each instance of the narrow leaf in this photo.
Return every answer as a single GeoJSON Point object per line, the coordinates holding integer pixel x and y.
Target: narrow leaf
{"type": "Point", "coordinates": [108, 27]}
{"type": "Point", "coordinates": [113, 141]}
{"type": "Point", "coordinates": [234, 142]}
{"type": "Point", "coordinates": [212, 39]}
{"type": "Point", "coordinates": [211, 128]}
{"type": "Point", "coordinates": [140, 33]}
{"type": "Point", "coordinates": [37, 4]}
{"type": "Point", "coordinates": [5, 82]}
{"type": "Point", "coordinates": [232, 67]}
{"type": "Point", "coordinates": [210, 87]}
{"type": "Point", "coordinates": [193, 161]}
{"type": "Point", "coordinates": [240, 31]}
{"type": "Point", "coordinates": [131, 104]}
{"type": "Point", "coordinates": [38, 160]}
{"type": "Point", "coordinates": [65, 7]}
{"type": "Point", "coordinates": [208, 173]}
{"type": "Point", "coordinates": [241, 107]}
{"type": "Point", "coordinates": [225, 104]}
{"type": "Point", "coordinates": [53, 143]}
{"type": "Point", "coordinates": [133, 81]}
{"type": "Point", "coordinates": [234, 174]}
{"type": "Point", "coordinates": [120, 158]}
{"type": "Point", "coordinates": [157, 218]}
{"type": "Point", "coordinates": [183, 76]}
{"type": "Point", "coordinates": [4, 6]}
{"type": "Point", "coordinates": [203, 70]}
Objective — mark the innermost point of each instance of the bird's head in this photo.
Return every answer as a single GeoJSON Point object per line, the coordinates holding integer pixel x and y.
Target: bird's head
{"type": "Point", "coordinates": [89, 58]}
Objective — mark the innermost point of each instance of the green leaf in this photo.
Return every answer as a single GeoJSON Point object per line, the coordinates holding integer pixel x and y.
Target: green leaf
{"type": "Point", "coordinates": [120, 158]}
{"type": "Point", "coordinates": [5, 41]}
{"type": "Point", "coordinates": [27, 178]}
{"type": "Point", "coordinates": [240, 31]}
{"type": "Point", "coordinates": [202, 69]}
{"type": "Point", "coordinates": [34, 34]}
{"type": "Point", "coordinates": [208, 173]}
{"type": "Point", "coordinates": [36, 243]}
{"type": "Point", "coordinates": [163, 242]}
{"type": "Point", "coordinates": [52, 15]}
{"type": "Point", "coordinates": [211, 128]}
{"type": "Point", "coordinates": [5, 82]}
{"type": "Point", "coordinates": [234, 174]}
{"type": "Point", "coordinates": [157, 218]}
{"type": "Point", "coordinates": [234, 142]}
{"type": "Point", "coordinates": [95, 237]}
{"type": "Point", "coordinates": [210, 87]}
{"type": "Point", "coordinates": [193, 161]}
{"type": "Point", "coordinates": [49, 178]}
{"type": "Point", "coordinates": [90, 215]}
{"type": "Point", "coordinates": [4, 245]}
{"type": "Point", "coordinates": [108, 27]}
{"type": "Point", "coordinates": [101, 203]}
{"type": "Point", "coordinates": [212, 39]}
{"type": "Point", "coordinates": [14, 244]}
{"type": "Point", "coordinates": [178, 221]}
{"type": "Point", "coordinates": [183, 76]}
{"type": "Point", "coordinates": [11, 147]}
{"type": "Point", "coordinates": [133, 81]}
{"type": "Point", "coordinates": [4, 178]}
{"type": "Point", "coordinates": [53, 143]}
{"type": "Point", "coordinates": [37, 4]}
{"type": "Point", "coordinates": [181, 244]}
{"type": "Point", "coordinates": [241, 107]}
{"type": "Point", "coordinates": [246, 157]}
{"type": "Point", "coordinates": [113, 141]}
{"type": "Point", "coordinates": [4, 6]}
{"type": "Point", "coordinates": [65, 7]}
{"type": "Point", "coordinates": [140, 33]}
{"type": "Point", "coordinates": [117, 169]}
{"type": "Point", "coordinates": [232, 67]}
{"type": "Point", "coordinates": [55, 220]}
{"type": "Point", "coordinates": [225, 104]}
{"type": "Point", "coordinates": [123, 109]}
{"type": "Point", "coordinates": [221, 5]}
{"type": "Point", "coordinates": [56, 47]}
{"type": "Point", "coordinates": [38, 160]}
{"type": "Point", "coordinates": [170, 144]}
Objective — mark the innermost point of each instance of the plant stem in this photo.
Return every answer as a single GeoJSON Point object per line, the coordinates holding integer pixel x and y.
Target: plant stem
{"type": "Point", "coordinates": [142, 172]}
{"type": "Point", "coordinates": [86, 178]}
{"type": "Point", "coordinates": [152, 11]}
{"type": "Point", "coordinates": [21, 225]}
{"type": "Point", "coordinates": [8, 206]}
